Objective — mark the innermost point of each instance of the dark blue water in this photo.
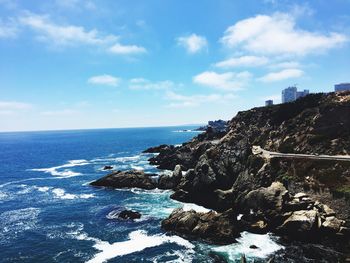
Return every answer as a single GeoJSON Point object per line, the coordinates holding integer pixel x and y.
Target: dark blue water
{"type": "Point", "coordinates": [50, 213]}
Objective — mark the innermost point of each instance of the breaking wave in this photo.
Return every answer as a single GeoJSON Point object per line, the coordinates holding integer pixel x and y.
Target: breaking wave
{"type": "Point", "coordinates": [138, 241]}
{"type": "Point", "coordinates": [266, 245]}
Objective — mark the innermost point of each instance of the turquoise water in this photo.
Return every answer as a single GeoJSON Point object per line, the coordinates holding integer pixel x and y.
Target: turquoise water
{"type": "Point", "coordinates": [50, 213]}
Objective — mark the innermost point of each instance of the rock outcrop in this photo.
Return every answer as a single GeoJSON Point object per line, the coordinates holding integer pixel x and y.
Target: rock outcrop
{"type": "Point", "coordinates": [295, 198]}
{"type": "Point", "coordinates": [220, 228]}
{"type": "Point", "coordinates": [129, 214]}
{"type": "Point", "coordinates": [127, 179]}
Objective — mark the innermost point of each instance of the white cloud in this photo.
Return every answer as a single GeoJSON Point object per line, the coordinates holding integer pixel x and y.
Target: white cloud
{"type": "Point", "coordinates": [182, 101]}
{"type": "Point", "coordinates": [145, 84]}
{"type": "Point", "coordinates": [10, 107]}
{"type": "Point", "coordinates": [278, 34]}
{"type": "Point", "coordinates": [126, 49]}
{"type": "Point", "coordinates": [224, 81]}
{"type": "Point", "coordinates": [106, 80]}
{"type": "Point", "coordinates": [193, 43]}
{"type": "Point", "coordinates": [286, 64]}
{"type": "Point", "coordinates": [282, 75]}
{"type": "Point", "coordinates": [243, 61]}
{"type": "Point", "coordinates": [64, 35]}
{"type": "Point", "coordinates": [7, 30]}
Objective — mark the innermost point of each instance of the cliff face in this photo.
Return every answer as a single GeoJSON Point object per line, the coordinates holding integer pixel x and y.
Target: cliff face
{"type": "Point", "coordinates": [296, 198]}
{"type": "Point", "coordinates": [222, 169]}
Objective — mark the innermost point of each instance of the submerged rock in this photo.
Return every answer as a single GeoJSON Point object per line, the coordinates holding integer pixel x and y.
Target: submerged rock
{"type": "Point", "coordinates": [129, 214]}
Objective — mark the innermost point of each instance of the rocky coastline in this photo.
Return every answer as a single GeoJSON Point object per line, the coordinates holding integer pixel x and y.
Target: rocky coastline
{"type": "Point", "coordinates": [305, 202]}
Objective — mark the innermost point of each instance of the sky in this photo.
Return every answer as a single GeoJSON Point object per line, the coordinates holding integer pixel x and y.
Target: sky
{"type": "Point", "coordinates": [78, 64]}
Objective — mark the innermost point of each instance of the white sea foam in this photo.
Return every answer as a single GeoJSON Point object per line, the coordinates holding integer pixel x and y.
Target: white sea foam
{"type": "Point", "coordinates": [43, 188]}
{"type": "Point", "coordinates": [15, 221]}
{"type": "Point", "coordinates": [61, 194]}
{"type": "Point", "coordinates": [61, 170]}
{"type": "Point", "coordinates": [197, 208]}
{"type": "Point", "coordinates": [138, 168]}
{"type": "Point", "coordinates": [138, 241]}
{"type": "Point", "coordinates": [3, 196]}
{"type": "Point", "coordinates": [266, 245]}
{"type": "Point", "coordinates": [127, 158]}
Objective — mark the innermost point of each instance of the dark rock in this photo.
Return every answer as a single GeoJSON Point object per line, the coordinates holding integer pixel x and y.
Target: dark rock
{"type": "Point", "coordinates": [243, 259]}
{"type": "Point", "coordinates": [107, 167]}
{"type": "Point", "coordinates": [127, 179]}
{"type": "Point", "coordinates": [129, 214]}
{"type": "Point", "coordinates": [219, 228]}
{"type": "Point", "coordinates": [253, 247]}
{"type": "Point", "coordinates": [307, 253]}
{"type": "Point", "coordinates": [158, 149]}
{"type": "Point", "coordinates": [170, 181]}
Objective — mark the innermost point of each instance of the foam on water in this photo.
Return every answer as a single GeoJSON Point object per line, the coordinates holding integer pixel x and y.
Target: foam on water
{"type": "Point", "coordinates": [128, 158]}
{"type": "Point", "coordinates": [266, 245]}
{"type": "Point", "coordinates": [16, 221]}
{"type": "Point", "coordinates": [138, 241]}
{"type": "Point", "coordinates": [197, 208]}
{"type": "Point", "coordinates": [61, 170]}
{"type": "Point", "coordinates": [61, 194]}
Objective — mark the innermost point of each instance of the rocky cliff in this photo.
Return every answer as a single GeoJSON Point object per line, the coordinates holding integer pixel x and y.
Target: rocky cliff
{"type": "Point", "coordinates": [295, 198]}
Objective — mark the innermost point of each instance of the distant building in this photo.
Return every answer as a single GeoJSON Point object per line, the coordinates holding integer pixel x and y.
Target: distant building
{"type": "Point", "coordinates": [302, 93]}
{"type": "Point", "coordinates": [342, 87]}
{"type": "Point", "coordinates": [291, 94]}
{"type": "Point", "coordinates": [268, 102]}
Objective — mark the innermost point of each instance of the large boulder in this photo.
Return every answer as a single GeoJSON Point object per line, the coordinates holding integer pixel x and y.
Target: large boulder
{"type": "Point", "coordinates": [300, 223]}
{"type": "Point", "coordinates": [269, 200]}
{"type": "Point", "coordinates": [127, 179]}
{"type": "Point", "coordinates": [332, 224]}
{"type": "Point", "coordinates": [219, 228]}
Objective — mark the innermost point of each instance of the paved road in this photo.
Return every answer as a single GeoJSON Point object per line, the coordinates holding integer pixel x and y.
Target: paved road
{"type": "Point", "coordinates": [257, 150]}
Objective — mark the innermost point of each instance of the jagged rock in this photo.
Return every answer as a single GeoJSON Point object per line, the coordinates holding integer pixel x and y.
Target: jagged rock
{"type": "Point", "coordinates": [158, 149]}
{"type": "Point", "coordinates": [259, 227]}
{"type": "Point", "coordinates": [214, 227]}
{"type": "Point", "coordinates": [300, 196]}
{"type": "Point", "coordinates": [127, 179]}
{"type": "Point", "coordinates": [177, 173]}
{"type": "Point", "coordinates": [107, 167]}
{"type": "Point", "coordinates": [269, 198]}
{"type": "Point", "coordinates": [327, 210]}
{"type": "Point", "coordinates": [332, 224]}
{"type": "Point", "coordinates": [167, 181]}
{"type": "Point", "coordinates": [299, 223]}
{"type": "Point", "coordinates": [298, 204]}
{"type": "Point", "coordinates": [129, 214]}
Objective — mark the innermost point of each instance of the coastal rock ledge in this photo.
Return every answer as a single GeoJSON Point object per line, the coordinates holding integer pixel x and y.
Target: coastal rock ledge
{"type": "Point", "coordinates": [127, 179]}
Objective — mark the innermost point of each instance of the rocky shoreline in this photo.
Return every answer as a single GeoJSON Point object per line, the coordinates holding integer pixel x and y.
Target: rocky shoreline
{"type": "Point", "coordinates": [248, 193]}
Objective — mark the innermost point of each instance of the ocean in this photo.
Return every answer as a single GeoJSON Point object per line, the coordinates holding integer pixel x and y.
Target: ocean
{"type": "Point", "coordinates": [50, 213]}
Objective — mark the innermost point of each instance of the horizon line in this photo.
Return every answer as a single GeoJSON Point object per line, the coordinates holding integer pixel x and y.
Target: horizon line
{"type": "Point", "coordinates": [104, 128]}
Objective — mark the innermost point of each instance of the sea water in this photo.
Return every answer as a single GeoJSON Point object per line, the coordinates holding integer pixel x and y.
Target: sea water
{"type": "Point", "coordinates": [50, 213]}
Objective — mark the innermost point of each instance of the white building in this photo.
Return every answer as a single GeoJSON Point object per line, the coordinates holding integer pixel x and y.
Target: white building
{"type": "Point", "coordinates": [342, 87]}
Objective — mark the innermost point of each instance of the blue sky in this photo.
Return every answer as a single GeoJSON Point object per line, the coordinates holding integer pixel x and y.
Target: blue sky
{"type": "Point", "coordinates": [71, 64]}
